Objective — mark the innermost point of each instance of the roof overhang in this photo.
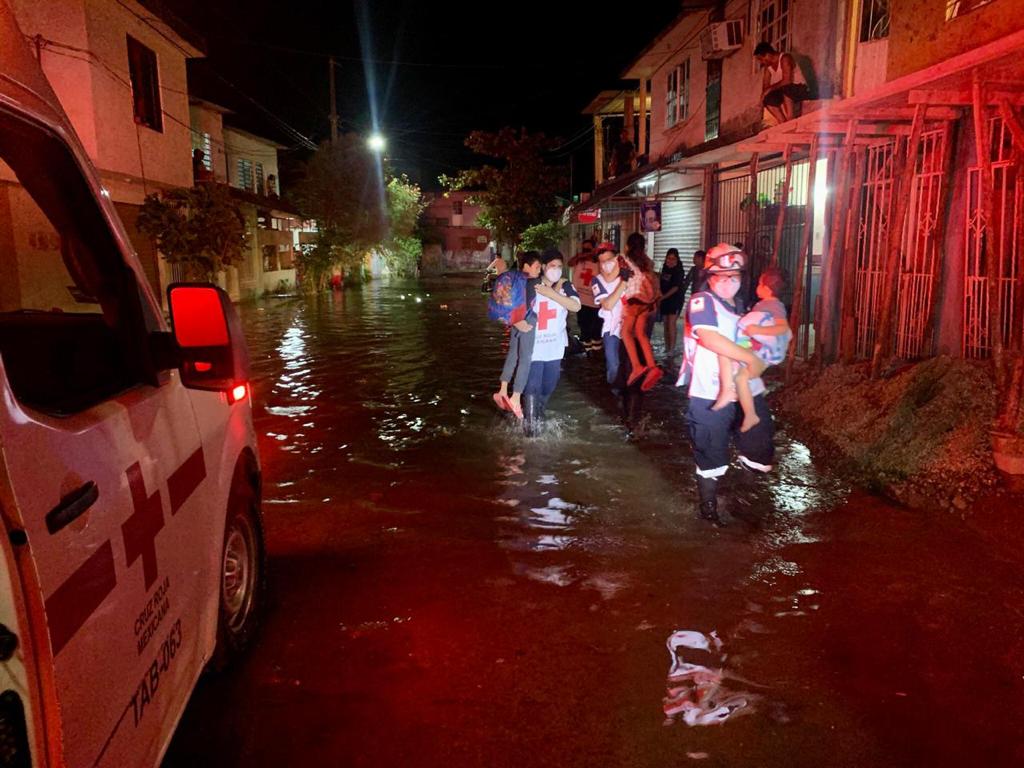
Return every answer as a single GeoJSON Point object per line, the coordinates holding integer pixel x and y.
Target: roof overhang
{"type": "Point", "coordinates": [944, 91]}
{"type": "Point", "coordinates": [651, 58]}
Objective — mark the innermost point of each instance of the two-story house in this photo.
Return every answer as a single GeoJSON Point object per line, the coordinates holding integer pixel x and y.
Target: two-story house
{"type": "Point", "coordinates": [916, 121]}
{"type": "Point", "coordinates": [455, 241]}
{"type": "Point", "coordinates": [118, 68]}
{"type": "Point", "coordinates": [248, 165]}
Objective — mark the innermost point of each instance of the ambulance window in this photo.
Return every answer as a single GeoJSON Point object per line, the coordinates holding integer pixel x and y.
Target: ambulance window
{"type": "Point", "coordinates": [69, 307]}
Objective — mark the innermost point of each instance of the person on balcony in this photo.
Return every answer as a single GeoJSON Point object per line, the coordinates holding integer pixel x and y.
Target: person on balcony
{"type": "Point", "coordinates": [623, 156]}
{"type": "Point", "coordinates": [199, 170]}
{"type": "Point", "coordinates": [783, 84]}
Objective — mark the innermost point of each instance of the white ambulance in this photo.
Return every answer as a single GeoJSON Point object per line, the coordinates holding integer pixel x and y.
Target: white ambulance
{"type": "Point", "coordinates": [131, 550]}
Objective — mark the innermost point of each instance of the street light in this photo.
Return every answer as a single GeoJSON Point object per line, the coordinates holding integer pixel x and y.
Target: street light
{"type": "Point", "coordinates": [376, 142]}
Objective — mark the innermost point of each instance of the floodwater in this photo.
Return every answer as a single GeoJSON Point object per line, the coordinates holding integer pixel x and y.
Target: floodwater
{"type": "Point", "coordinates": [445, 592]}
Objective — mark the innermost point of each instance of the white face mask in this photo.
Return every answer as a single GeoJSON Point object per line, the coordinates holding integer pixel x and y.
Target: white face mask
{"type": "Point", "coordinates": [608, 267]}
{"type": "Point", "coordinates": [727, 287]}
{"type": "Point", "coordinates": [554, 274]}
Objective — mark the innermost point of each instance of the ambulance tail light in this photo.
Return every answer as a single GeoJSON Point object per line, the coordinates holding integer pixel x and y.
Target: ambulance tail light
{"type": "Point", "coordinates": [211, 349]}
{"type": "Point", "coordinates": [238, 394]}
{"type": "Point", "coordinates": [14, 750]}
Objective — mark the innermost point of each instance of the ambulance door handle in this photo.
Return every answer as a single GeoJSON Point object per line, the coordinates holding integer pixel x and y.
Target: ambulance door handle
{"type": "Point", "coordinates": [72, 506]}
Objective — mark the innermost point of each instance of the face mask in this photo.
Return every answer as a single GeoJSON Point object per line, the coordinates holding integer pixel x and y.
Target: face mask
{"type": "Point", "coordinates": [727, 287]}
{"type": "Point", "coordinates": [553, 275]}
{"type": "Point", "coordinates": [607, 267]}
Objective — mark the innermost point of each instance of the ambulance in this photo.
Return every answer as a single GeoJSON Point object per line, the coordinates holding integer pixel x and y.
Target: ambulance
{"type": "Point", "coordinates": [131, 550]}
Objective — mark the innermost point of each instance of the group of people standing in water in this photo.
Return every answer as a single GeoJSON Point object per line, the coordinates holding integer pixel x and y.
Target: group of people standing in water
{"type": "Point", "coordinates": [617, 298]}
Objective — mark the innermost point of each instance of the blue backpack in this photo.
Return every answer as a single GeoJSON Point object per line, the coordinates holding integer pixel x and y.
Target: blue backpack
{"type": "Point", "coordinates": [508, 295]}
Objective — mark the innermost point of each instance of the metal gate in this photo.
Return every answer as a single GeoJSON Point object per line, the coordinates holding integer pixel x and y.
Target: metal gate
{"type": "Point", "coordinates": [680, 228]}
{"type": "Point", "coordinates": [1007, 220]}
{"type": "Point", "coordinates": [733, 220]}
{"type": "Point", "coordinates": [920, 261]}
{"type": "Point", "coordinates": [873, 235]}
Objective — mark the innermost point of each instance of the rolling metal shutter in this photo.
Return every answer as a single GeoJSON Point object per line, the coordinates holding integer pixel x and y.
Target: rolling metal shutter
{"type": "Point", "coordinates": [680, 228]}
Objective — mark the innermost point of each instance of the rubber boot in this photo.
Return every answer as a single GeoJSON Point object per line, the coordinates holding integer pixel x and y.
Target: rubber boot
{"type": "Point", "coordinates": [707, 490]}
{"type": "Point", "coordinates": [529, 403]}
{"type": "Point", "coordinates": [632, 407]}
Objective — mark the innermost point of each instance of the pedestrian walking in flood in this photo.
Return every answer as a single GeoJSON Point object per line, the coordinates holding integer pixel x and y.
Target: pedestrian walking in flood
{"type": "Point", "coordinates": [583, 268]}
{"type": "Point", "coordinates": [608, 287]}
{"type": "Point", "coordinates": [713, 322]}
{"type": "Point", "coordinates": [555, 299]}
{"type": "Point", "coordinates": [508, 305]}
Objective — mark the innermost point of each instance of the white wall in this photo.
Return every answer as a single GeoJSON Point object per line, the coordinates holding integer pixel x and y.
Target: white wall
{"type": "Point", "coordinates": [244, 145]}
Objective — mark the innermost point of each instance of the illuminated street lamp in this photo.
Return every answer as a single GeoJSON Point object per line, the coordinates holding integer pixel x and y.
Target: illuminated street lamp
{"type": "Point", "coordinates": [376, 142]}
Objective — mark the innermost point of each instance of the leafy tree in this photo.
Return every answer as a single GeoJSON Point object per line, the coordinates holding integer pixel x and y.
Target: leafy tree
{"type": "Point", "coordinates": [401, 248]}
{"type": "Point", "coordinates": [201, 228]}
{"type": "Point", "coordinates": [539, 237]}
{"type": "Point", "coordinates": [520, 190]}
{"type": "Point", "coordinates": [341, 190]}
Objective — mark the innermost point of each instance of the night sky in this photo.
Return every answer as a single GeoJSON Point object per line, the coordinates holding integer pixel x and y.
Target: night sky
{"type": "Point", "coordinates": [433, 70]}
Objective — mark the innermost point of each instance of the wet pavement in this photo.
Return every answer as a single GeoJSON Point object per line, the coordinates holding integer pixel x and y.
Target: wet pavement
{"type": "Point", "coordinates": [444, 592]}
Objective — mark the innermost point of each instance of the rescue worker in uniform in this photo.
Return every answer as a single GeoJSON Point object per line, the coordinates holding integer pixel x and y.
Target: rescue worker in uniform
{"type": "Point", "coordinates": [713, 319]}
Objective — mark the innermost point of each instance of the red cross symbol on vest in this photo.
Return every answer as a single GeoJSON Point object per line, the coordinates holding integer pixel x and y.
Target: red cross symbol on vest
{"type": "Point", "coordinates": [544, 313]}
{"type": "Point", "coordinates": [140, 530]}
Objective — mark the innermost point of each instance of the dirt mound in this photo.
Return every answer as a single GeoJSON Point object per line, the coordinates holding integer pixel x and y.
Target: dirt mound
{"type": "Point", "coordinates": [920, 435]}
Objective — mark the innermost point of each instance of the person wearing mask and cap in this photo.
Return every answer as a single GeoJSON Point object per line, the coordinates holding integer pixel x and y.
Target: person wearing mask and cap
{"type": "Point", "coordinates": [713, 324]}
{"type": "Point", "coordinates": [608, 287]}
{"type": "Point", "coordinates": [555, 298]}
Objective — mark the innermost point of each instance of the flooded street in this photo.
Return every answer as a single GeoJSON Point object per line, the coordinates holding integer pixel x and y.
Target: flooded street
{"type": "Point", "coordinates": [444, 592]}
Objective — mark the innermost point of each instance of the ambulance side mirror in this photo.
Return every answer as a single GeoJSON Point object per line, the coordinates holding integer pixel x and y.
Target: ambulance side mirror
{"type": "Point", "coordinates": [208, 334]}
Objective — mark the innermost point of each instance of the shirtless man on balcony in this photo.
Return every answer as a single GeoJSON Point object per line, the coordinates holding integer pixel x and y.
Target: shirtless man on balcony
{"type": "Point", "coordinates": [783, 84]}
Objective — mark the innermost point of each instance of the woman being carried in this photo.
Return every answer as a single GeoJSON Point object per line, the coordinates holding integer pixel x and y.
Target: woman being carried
{"type": "Point", "coordinates": [641, 296]}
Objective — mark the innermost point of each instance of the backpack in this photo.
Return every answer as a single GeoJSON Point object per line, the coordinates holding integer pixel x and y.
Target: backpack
{"type": "Point", "coordinates": [508, 295]}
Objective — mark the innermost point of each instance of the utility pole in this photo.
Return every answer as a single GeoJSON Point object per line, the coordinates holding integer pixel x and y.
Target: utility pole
{"type": "Point", "coordinates": [334, 102]}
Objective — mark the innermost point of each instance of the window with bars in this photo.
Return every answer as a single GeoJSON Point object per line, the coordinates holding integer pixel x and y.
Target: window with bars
{"type": "Point", "coordinates": [457, 207]}
{"type": "Point", "coordinates": [957, 8]}
{"type": "Point", "coordinates": [874, 20]}
{"type": "Point", "coordinates": [145, 79]}
{"type": "Point", "coordinates": [677, 99]}
{"type": "Point", "coordinates": [713, 100]}
{"type": "Point", "coordinates": [772, 23]}
{"type": "Point", "coordinates": [258, 168]}
{"type": "Point", "coordinates": [672, 97]}
{"type": "Point", "coordinates": [245, 174]}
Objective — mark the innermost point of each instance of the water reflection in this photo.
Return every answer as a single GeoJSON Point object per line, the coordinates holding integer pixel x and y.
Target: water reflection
{"type": "Point", "coordinates": [697, 693]}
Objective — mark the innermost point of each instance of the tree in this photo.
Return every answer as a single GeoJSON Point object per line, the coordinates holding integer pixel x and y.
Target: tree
{"type": "Point", "coordinates": [201, 228]}
{"type": "Point", "coordinates": [540, 237]}
{"type": "Point", "coordinates": [520, 190]}
{"type": "Point", "coordinates": [401, 248]}
{"type": "Point", "coordinates": [342, 190]}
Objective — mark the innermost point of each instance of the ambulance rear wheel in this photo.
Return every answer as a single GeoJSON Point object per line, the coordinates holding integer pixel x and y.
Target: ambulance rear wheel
{"type": "Point", "coordinates": [242, 576]}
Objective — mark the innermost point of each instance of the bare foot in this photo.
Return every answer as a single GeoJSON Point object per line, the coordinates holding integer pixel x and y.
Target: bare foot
{"type": "Point", "coordinates": [749, 422]}
{"type": "Point", "coordinates": [723, 400]}
{"type": "Point", "coordinates": [514, 406]}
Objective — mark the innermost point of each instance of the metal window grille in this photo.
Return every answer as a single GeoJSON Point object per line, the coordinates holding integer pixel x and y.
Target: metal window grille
{"type": "Point", "coordinates": [1007, 219]}
{"type": "Point", "coordinates": [773, 24]}
{"type": "Point", "coordinates": [919, 269]}
{"type": "Point", "coordinates": [259, 178]}
{"type": "Point", "coordinates": [245, 174]}
{"type": "Point", "coordinates": [671, 97]}
{"type": "Point", "coordinates": [874, 20]}
{"type": "Point", "coordinates": [713, 100]}
{"type": "Point", "coordinates": [955, 8]}
{"type": "Point", "coordinates": [684, 89]}
{"type": "Point", "coordinates": [876, 213]}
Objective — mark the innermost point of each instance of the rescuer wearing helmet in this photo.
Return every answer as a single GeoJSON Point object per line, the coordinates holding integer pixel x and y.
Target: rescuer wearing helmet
{"type": "Point", "coordinates": [713, 319]}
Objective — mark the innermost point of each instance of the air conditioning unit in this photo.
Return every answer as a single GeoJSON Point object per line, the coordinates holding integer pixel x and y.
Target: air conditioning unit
{"type": "Point", "coordinates": [721, 39]}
